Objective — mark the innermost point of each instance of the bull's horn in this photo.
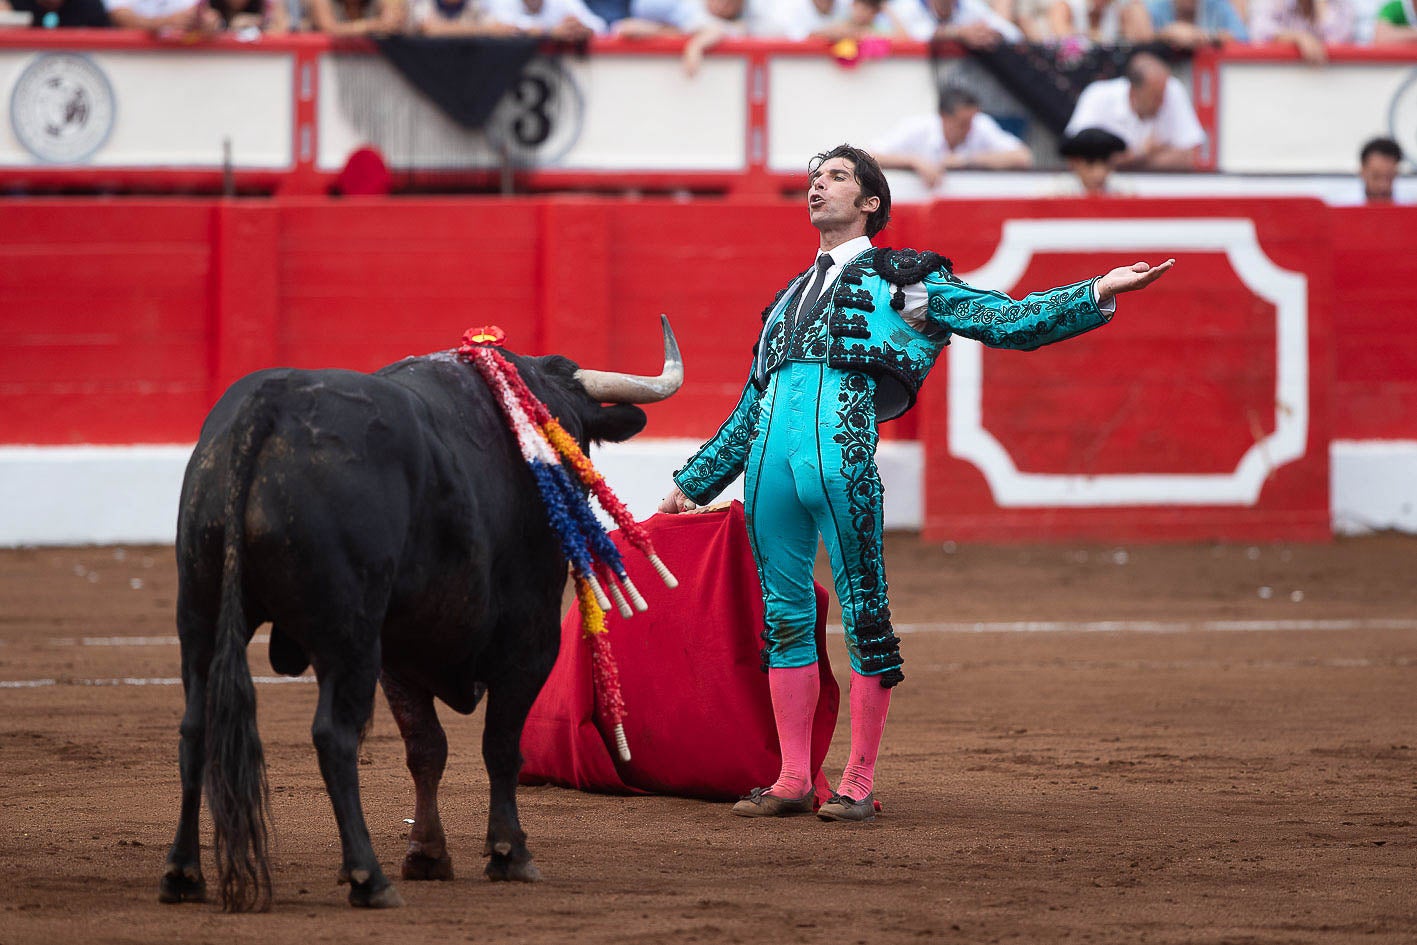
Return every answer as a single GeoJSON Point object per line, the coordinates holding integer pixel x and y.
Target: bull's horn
{"type": "Point", "coordinates": [612, 387]}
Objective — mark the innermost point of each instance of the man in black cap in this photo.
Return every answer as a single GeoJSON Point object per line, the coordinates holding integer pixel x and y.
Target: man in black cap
{"type": "Point", "coordinates": [1090, 154]}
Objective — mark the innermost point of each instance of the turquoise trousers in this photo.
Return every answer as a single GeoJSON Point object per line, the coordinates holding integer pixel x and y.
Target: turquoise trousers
{"type": "Point", "coordinates": [811, 471]}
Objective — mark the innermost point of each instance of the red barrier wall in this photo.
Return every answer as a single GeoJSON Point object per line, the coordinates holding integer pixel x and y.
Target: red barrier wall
{"type": "Point", "coordinates": [121, 321]}
{"type": "Point", "coordinates": [1375, 322]}
{"type": "Point", "coordinates": [1181, 384]}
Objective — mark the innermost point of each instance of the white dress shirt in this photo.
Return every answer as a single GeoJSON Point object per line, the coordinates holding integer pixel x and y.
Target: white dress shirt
{"type": "Point", "coordinates": [514, 13]}
{"type": "Point", "coordinates": [1106, 104]}
{"type": "Point", "coordinates": [796, 19]}
{"type": "Point", "coordinates": [924, 136]}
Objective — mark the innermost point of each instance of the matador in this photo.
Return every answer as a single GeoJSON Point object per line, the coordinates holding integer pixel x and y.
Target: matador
{"type": "Point", "coordinates": [843, 348]}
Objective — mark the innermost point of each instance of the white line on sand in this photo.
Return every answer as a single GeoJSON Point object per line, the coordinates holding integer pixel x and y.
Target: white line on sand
{"type": "Point", "coordinates": [1148, 626]}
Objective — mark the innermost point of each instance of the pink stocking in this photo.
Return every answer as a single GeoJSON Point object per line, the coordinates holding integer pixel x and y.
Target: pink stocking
{"type": "Point", "coordinates": [869, 703]}
{"type": "Point", "coordinates": [794, 702]}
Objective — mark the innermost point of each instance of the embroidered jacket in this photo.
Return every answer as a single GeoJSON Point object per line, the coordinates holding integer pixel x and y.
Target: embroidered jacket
{"type": "Point", "coordinates": [865, 332]}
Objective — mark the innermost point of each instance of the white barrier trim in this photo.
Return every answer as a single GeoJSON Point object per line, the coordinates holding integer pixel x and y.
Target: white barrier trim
{"type": "Point", "coordinates": [51, 493]}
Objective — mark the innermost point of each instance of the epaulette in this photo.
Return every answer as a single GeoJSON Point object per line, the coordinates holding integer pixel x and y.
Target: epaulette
{"type": "Point", "coordinates": [903, 267]}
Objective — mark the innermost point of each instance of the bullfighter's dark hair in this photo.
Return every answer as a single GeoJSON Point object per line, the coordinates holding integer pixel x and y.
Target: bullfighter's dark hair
{"type": "Point", "coordinates": [868, 174]}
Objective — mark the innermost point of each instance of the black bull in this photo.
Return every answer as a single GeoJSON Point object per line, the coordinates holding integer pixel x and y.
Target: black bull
{"type": "Point", "coordinates": [389, 530]}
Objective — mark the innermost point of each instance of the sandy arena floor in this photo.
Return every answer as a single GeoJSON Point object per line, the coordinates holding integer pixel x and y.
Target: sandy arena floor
{"type": "Point", "coordinates": [1203, 744]}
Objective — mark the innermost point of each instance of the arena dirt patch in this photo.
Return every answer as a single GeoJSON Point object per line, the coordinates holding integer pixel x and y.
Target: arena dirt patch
{"type": "Point", "coordinates": [1102, 744]}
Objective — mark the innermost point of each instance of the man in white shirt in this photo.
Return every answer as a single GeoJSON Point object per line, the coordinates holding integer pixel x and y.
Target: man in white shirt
{"type": "Point", "coordinates": [960, 136]}
{"type": "Point", "coordinates": [798, 20]}
{"type": "Point", "coordinates": [178, 15]}
{"type": "Point", "coordinates": [705, 22]}
{"type": "Point", "coordinates": [560, 19]}
{"type": "Point", "coordinates": [971, 23]}
{"type": "Point", "coordinates": [1148, 108]}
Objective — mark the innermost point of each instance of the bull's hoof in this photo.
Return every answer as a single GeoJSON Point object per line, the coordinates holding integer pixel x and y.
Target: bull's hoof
{"type": "Point", "coordinates": [182, 885]}
{"type": "Point", "coordinates": [417, 866]}
{"type": "Point", "coordinates": [502, 870]}
{"type": "Point", "coordinates": [362, 897]}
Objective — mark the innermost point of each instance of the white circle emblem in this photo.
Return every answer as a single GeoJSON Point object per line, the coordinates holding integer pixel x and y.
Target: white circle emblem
{"type": "Point", "coordinates": [1402, 116]}
{"type": "Point", "coordinates": [62, 108]}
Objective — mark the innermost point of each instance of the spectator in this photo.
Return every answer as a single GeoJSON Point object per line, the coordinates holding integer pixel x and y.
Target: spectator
{"type": "Point", "coordinates": [1090, 154]}
{"type": "Point", "coordinates": [1100, 22]}
{"type": "Point", "coordinates": [1377, 168]}
{"type": "Point", "coordinates": [705, 23]}
{"type": "Point", "coordinates": [1148, 109]}
{"type": "Point", "coordinates": [450, 18]}
{"type": "Point", "coordinates": [181, 16]}
{"type": "Point", "coordinates": [1307, 24]}
{"type": "Point", "coordinates": [63, 13]}
{"type": "Point", "coordinates": [886, 18]}
{"type": "Point", "coordinates": [1187, 24]}
{"type": "Point", "coordinates": [268, 16]}
{"type": "Point", "coordinates": [1031, 18]}
{"type": "Point", "coordinates": [959, 136]}
{"type": "Point", "coordinates": [568, 20]}
{"type": "Point", "coordinates": [1396, 23]}
{"type": "Point", "coordinates": [971, 23]}
{"type": "Point", "coordinates": [611, 11]}
{"type": "Point", "coordinates": [357, 17]}
{"type": "Point", "coordinates": [799, 20]}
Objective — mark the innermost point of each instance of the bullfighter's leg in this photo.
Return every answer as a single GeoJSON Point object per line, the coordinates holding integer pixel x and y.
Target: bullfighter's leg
{"type": "Point", "coordinates": [850, 518]}
{"type": "Point", "coordinates": [426, 751]}
{"type": "Point", "coordinates": [182, 879]}
{"type": "Point", "coordinates": [345, 705]}
{"type": "Point", "coordinates": [508, 702]}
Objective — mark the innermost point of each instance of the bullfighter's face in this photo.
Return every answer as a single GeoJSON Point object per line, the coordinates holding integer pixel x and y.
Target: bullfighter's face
{"type": "Point", "coordinates": [834, 199]}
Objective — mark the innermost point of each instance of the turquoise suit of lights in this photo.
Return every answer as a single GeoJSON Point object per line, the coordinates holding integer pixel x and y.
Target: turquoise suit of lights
{"type": "Point", "coordinates": [804, 432]}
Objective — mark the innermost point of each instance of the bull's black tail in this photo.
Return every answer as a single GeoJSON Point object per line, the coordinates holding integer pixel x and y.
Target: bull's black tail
{"type": "Point", "coordinates": [236, 785]}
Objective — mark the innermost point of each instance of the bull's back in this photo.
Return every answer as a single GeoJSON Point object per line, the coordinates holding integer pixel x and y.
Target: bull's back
{"type": "Point", "coordinates": [325, 496]}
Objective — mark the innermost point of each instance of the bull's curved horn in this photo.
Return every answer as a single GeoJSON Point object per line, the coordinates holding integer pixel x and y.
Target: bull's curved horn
{"type": "Point", "coordinates": [612, 387]}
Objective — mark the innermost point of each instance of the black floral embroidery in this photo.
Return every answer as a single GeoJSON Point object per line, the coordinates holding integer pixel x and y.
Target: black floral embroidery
{"type": "Point", "coordinates": [1050, 318]}
{"type": "Point", "coordinates": [708, 472]}
{"type": "Point", "coordinates": [876, 646]}
{"type": "Point", "coordinates": [809, 337]}
{"type": "Point", "coordinates": [777, 344]}
{"type": "Point", "coordinates": [885, 362]}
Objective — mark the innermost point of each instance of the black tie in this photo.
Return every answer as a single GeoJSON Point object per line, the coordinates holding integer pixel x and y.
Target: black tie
{"type": "Point", "coordinates": [814, 291]}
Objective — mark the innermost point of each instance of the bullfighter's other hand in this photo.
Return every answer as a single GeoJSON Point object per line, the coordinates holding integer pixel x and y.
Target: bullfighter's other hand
{"type": "Point", "coordinates": [1130, 278]}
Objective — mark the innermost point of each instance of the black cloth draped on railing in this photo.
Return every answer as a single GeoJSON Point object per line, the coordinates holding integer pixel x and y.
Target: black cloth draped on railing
{"type": "Point", "coordinates": [464, 76]}
{"type": "Point", "coordinates": [1047, 79]}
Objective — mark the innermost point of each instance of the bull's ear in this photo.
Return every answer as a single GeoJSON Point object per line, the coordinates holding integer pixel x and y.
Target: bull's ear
{"type": "Point", "coordinates": [614, 423]}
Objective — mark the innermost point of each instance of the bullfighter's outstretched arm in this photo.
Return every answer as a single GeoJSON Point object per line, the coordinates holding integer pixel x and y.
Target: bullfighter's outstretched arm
{"type": "Point", "coordinates": [998, 321]}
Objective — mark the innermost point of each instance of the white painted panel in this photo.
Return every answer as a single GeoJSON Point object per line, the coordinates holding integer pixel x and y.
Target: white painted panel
{"type": "Point", "coordinates": [82, 495]}
{"type": "Point", "coordinates": [815, 104]}
{"type": "Point", "coordinates": [102, 494]}
{"type": "Point", "coordinates": [1282, 118]}
{"type": "Point", "coordinates": [106, 494]}
{"type": "Point", "coordinates": [1374, 486]}
{"type": "Point", "coordinates": [643, 113]}
{"type": "Point", "coordinates": [174, 109]}
{"type": "Point", "coordinates": [634, 113]}
{"type": "Point", "coordinates": [12, 63]}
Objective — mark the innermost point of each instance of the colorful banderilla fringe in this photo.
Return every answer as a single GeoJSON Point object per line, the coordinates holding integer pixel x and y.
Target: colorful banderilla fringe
{"type": "Point", "coordinates": [544, 443]}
